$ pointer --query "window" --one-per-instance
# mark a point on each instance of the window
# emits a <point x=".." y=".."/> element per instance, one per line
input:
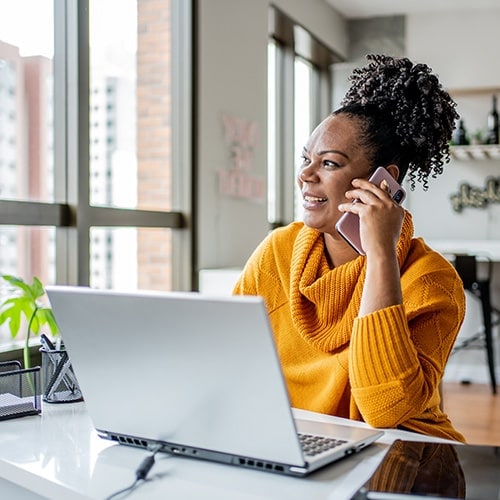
<point x="304" y="73"/>
<point x="299" y="95"/>
<point x="89" y="141"/>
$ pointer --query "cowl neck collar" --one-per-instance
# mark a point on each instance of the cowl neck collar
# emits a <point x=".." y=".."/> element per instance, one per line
<point x="324" y="302"/>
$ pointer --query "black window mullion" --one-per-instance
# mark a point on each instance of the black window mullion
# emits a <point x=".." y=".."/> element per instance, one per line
<point x="122" y="217"/>
<point x="27" y="213"/>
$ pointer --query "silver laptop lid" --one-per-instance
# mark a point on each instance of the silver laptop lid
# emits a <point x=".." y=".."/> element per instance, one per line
<point x="179" y="367"/>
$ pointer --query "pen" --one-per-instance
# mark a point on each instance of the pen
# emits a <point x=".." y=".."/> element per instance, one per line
<point x="56" y="359"/>
<point x="59" y="373"/>
<point x="47" y="342"/>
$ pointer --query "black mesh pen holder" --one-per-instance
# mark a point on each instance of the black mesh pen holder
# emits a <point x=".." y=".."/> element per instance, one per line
<point x="59" y="381"/>
<point x="20" y="390"/>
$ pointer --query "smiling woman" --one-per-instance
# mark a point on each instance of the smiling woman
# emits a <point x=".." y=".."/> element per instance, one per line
<point x="366" y="337"/>
<point x="323" y="178"/>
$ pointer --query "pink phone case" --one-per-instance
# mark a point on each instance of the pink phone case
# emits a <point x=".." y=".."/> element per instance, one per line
<point x="348" y="225"/>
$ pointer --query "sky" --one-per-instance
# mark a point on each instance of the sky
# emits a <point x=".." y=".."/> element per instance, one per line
<point x="29" y="25"/>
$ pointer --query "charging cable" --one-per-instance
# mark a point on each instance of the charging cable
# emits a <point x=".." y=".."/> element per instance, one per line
<point x="141" y="473"/>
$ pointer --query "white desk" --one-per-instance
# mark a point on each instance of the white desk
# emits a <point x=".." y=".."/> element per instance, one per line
<point x="58" y="455"/>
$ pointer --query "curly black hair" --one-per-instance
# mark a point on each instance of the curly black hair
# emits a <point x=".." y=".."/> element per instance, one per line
<point x="407" y="117"/>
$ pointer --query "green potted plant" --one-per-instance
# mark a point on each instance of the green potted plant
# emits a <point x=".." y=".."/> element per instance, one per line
<point x="25" y="303"/>
<point x="477" y="137"/>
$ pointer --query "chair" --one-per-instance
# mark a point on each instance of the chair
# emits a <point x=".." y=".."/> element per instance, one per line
<point x="466" y="266"/>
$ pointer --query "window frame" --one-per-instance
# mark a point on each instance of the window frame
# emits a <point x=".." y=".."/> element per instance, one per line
<point x="293" y="41"/>
<point x="71" y="214"/>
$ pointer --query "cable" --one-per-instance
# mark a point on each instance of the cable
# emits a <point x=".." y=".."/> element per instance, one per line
<point x="124" y="490"/>
<point x="141" y="473"/>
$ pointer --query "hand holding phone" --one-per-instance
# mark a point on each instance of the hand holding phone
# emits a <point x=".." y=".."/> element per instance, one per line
<point x="348" y="225"/>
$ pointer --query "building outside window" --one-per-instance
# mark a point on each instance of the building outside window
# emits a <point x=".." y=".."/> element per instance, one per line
<point x="88" y="140"/>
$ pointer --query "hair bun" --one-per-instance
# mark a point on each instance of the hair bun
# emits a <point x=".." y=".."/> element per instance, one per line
<point x="421" y="111"/>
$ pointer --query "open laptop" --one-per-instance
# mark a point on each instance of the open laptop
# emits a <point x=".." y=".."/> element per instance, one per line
<point x="195" y="374"/>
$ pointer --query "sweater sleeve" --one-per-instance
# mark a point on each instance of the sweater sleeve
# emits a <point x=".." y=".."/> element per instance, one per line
<point x="398" y="354"/>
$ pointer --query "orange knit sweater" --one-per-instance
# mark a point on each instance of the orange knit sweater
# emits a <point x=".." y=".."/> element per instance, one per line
<point x="383" y="368"/>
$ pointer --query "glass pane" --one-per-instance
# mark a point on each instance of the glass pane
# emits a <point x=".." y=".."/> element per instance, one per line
<point x="26" y="100"/>
<point x="25" y="252"/>
<point x="302" y="120"/>
<point x="131" y="258"/>
<point x="130" y="104"/>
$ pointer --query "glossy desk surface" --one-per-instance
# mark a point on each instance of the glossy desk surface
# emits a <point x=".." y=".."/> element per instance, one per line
<point x="59" y="455"/>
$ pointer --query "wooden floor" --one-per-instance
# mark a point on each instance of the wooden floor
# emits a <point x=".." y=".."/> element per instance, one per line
<point x="474" y="411"/>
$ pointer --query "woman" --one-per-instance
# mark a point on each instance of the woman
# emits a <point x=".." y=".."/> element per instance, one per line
<point x="366" y="337"/>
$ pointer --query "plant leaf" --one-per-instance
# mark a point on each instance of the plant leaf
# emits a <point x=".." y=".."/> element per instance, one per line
<point x="46" y="317"/>
<point x="11" y="314"/>
<point x="26" y="306"/>
<point x="17" y="283"/>
<point x="13" y="308"/>
<point x="37" y="289"/>
<point x="25" y="303"/>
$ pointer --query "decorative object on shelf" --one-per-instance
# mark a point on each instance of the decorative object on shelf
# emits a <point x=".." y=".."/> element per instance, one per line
<point x="493" y="123"/>
<point x="25" y="302"/>
<point x="489" y="135"/>
<point x="460" y="137"/>
<point x="476" y="137"/>
<point x="473" y="197"/>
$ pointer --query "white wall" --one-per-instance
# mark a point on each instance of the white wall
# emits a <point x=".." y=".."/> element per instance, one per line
<point x="320" y="19"/>
<point x="231" y="78"/>
<point x="462" y="48"/>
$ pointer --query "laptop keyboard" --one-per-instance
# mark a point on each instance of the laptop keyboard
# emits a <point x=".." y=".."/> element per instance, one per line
<point x="313" y="445"/>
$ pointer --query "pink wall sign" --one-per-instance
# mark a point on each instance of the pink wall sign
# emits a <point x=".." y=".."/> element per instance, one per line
<point x="237" y="181"/>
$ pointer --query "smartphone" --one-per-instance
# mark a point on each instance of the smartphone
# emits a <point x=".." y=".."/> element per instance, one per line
<point x="348" y="225"/>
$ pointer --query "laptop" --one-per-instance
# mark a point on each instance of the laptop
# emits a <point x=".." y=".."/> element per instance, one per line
<point x="194" y="375"/>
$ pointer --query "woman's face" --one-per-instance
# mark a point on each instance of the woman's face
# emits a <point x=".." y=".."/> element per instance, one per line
<point x="332" y="158"/>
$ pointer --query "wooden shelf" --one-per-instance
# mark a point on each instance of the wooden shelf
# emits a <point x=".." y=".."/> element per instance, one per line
<point x="473" y="91"/>
<point x="476" y="152"/>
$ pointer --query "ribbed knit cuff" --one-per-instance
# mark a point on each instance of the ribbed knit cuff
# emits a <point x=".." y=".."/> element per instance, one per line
<point x="381" y="350"/>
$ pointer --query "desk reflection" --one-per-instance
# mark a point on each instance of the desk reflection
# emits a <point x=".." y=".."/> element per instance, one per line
<point x="416" y="468"/>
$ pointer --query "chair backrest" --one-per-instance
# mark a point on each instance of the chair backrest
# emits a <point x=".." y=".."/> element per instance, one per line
<point x="466" y="268"/>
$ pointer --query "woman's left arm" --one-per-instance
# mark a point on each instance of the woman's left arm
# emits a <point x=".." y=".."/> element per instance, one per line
<point x="398" y="353"/>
